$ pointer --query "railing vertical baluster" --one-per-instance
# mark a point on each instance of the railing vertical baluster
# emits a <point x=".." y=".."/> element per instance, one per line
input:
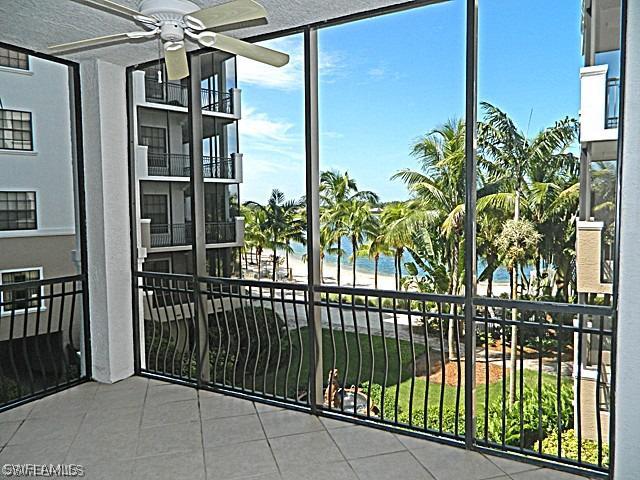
<point x="258" y="350"/>
<point x="599" y="389"/>
<point x="559" y="388"/>
<point x="372" y="368"/>
<point x="359" y="350"/>
<point x="246" y="326"/>
<point x="272" y="294"/>
<point x="443" y="365"/>
<point x="399" y="353"/>
<point x="286" y="326"/>
<point x="540" y="334"/>
<point x="486" y="373"/>
<point x="456" y="326"/>
<point x="25" y="324"/>
<point x="329" y="400"/>
<point x="268" y="335"/>
<point x="300" y="342"/>
<point x="425" y="326"/>
<point x="413" y="366"/>
<point x="343" y="330"/>
<point x="214" y="307"/>
<point x="578" y="365"/>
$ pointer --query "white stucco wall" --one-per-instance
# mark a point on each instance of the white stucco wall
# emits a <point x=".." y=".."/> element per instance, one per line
<point x="48" y="170"/>
<point x="627" y="419"/>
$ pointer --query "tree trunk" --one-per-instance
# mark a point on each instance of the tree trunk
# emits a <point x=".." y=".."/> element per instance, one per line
<point x="339" y="257"/>
<point x="399" y="255"/>
<point x="259" y="254"/>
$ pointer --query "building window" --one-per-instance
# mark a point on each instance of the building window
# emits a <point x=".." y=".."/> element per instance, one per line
<point x="21" y="299"/>
<point x="155" y="139"/>
<point x="18" y="211"/>
<point x="12" y="59"/>
<point x="154" y="207"/>
<point x="157" y="266"/>
<point x="15" y="130"/>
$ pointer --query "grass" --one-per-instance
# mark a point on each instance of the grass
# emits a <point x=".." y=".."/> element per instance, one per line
<point x="399" y="370"/>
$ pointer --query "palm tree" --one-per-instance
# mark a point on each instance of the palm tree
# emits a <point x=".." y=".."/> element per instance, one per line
<point x="358" y="221"/>
<point x="254" y="236"/>
<point x="397" y="226"/>
<point x="513" y="160"/>
<point x="336" y="189"/>
<point x="276" y="219"/>
<point x="374" y="247"/>
<point x="438" y="190"/>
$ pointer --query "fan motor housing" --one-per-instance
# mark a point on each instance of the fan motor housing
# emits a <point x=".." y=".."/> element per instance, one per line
<point x="171" y="31"/>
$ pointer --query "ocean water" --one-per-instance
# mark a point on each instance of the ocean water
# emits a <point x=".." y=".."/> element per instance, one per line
<point x="386" y="263"/>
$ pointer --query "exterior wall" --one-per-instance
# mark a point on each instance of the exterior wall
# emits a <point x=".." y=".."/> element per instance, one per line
<point x="593" y="102"/>
<point x="48" y="169"/>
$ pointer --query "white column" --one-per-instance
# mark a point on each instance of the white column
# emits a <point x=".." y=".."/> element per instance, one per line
<point x="104" y="113"/>
<point x="627" y="420"/>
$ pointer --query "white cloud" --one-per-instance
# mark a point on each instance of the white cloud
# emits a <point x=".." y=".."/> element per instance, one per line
<point x="259" y="127"/>
<point x="289" y="77"/>
<point x="377" y="72"/>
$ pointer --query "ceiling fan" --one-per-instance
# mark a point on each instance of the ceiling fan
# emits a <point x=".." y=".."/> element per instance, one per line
<point x="175" y="21"/>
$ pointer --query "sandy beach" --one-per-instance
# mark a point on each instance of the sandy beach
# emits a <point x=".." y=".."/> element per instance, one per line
<point x="364" y="279"/>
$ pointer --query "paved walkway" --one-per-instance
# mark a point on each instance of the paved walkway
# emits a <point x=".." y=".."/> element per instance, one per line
<point x="139" y="429"/>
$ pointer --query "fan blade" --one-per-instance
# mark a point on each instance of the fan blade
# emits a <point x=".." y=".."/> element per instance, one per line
<point x="90" y="42"/>
<point x="112" y="7"/>
<point x="229" y="13"/>
<point x="245" y="49"/>
<point x="175" y="56"/>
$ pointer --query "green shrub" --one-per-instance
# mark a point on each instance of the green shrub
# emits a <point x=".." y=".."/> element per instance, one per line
<point x="533" y="417"/>
<point x="386" y="407"/>
<point x="569" y="447"/>
<point x="433" y="419"/>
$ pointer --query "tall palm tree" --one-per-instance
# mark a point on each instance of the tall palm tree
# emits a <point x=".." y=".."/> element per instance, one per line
<point x="397" y="226"/>
<point x="514" y="160"/>
<point x="438" y="190"/>
<point x="359" y="223"/>
<point x="374" y="247"/>
<point x="336" y="189"/>
<point x="255" y="238"/>
<point x="276" y="219"/>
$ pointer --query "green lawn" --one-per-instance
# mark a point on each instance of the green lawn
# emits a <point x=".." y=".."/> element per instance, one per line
<point x="399" y="370"/>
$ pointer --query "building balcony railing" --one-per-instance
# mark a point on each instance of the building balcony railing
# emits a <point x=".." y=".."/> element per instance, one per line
<point x="178" y="165"/>
<point x="392" y="359"/>
<point x="215" y="101"/>
<point x="178" y="95"/>
<point x="613" y="103"/>
<point x="175" y="235"/>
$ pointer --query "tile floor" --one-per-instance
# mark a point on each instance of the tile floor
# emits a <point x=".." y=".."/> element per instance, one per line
<point x="140" y="429"/>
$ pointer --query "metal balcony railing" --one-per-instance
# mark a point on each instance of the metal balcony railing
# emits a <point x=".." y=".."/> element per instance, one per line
<point x="178" y="95"/>
<point x="175" y="235"/>
<point x="41" y="324"/>
<point x="216" y="101"/>
<point x="395" y="359"/>
<point x="613" y="103"/>
<point x="178" y="165"/>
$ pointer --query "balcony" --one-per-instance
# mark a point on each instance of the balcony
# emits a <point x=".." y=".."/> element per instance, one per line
<point x="177" y="95"/>
<point x="599" y="104"/>
<point x="178" y="235"/>
<point x="144" y="428"/>
<point x="178" y="165"/>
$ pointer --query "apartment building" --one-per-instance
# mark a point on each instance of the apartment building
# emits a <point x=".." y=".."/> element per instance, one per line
<point x="162" y="167"/>
<point x="38" y="210"/>
<point x="596" y="225"/>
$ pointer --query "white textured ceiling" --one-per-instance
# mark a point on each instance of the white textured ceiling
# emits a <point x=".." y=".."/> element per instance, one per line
<point x="35" y="24"/>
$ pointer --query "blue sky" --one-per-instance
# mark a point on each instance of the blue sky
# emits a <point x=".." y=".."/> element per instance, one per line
<point x="387" y="80"/>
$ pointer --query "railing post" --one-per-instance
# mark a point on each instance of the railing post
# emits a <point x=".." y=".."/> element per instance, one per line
<point x="197" y="219"/>
<point x="470" y="223"/>
<point x="313" y="214"/>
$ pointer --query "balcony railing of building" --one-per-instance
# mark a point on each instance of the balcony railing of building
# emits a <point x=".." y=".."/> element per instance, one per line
<point x="42" y="323"/>
<point x="215" y="101"/>
<point x="178" y="95"/>
<point x="175" y="235"/>
<point x="613" y="103"/>
<point x="178" y="165"/>
<point x="390" y="359"/>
